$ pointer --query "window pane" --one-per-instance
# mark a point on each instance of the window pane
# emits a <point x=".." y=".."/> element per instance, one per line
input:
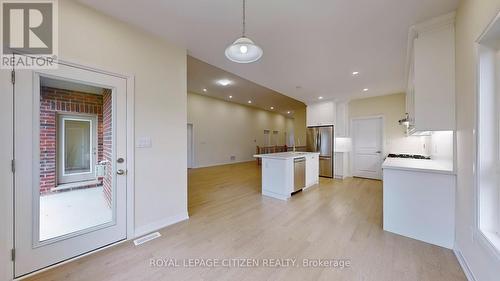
<point x="77" y="146"/>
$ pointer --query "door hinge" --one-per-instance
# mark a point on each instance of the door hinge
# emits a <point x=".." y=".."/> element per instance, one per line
<point x="13" y="77"/>
<point x="13" y="165"/>
<point x="13" y="254"/>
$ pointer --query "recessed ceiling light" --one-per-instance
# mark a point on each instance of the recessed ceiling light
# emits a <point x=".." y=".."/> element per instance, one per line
<point x="320" y="98"/>
<point x="365" y="90"/>
<point x="288" y="112"/>
<point x="230" y="97"/>
<point x="354" y="73"/>
<point x="249" y="101"/>
<point x="272" y="107"/>
<point x="224" y="82"/>
<point x="204" y="90"/>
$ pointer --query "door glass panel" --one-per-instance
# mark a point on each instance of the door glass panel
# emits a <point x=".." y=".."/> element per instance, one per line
<point x="77" y="148"/>
<point x="76" y="151"/>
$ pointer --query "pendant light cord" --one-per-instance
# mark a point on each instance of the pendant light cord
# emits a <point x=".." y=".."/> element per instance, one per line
<point x="244" y="18"/>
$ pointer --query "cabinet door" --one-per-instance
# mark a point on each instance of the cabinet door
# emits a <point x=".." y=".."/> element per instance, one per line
<point x="312" y="170"/>
<point x="339" y="165"/>
<point x="341" y="124"/>
<point x="320" y="114"/>
<point x="434" y="64"/>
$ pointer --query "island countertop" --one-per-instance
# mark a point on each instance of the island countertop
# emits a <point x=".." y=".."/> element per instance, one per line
<point x="285" y="155"/>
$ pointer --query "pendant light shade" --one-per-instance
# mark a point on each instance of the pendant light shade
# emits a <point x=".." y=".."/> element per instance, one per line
<point x="243" y="50"/>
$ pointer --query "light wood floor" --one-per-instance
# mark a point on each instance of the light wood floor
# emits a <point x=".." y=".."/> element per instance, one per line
<point x="230" y="219"/>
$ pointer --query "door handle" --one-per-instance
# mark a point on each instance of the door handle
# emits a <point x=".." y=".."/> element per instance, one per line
<point x="120" y="172"/>
<point x="378" y="151"/>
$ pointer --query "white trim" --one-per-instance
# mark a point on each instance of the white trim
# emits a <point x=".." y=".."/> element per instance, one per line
<point x="464" y="265"/>
<point x="157" y="225"/>
<point x="490" y="242"/>
<point x="191" y="162"/>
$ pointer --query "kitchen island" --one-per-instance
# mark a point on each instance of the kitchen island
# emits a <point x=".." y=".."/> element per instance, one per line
<point x="288" y="172"/>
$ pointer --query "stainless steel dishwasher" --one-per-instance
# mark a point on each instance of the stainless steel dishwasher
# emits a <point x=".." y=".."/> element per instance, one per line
<point x="299" y="173"/>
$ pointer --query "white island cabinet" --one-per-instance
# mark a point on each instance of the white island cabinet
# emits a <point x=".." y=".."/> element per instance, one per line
<point x="287" y="172"/>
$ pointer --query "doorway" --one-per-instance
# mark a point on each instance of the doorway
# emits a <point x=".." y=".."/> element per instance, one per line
<point x="367" y="147"/>
<point x="71" y="158"/>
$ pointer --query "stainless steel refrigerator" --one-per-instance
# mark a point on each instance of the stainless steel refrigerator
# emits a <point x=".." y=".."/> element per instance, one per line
<point x="320" y="139"/>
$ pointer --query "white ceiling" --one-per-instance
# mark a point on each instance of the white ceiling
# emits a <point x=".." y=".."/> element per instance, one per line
<point x="201" y="75"/>
<point x="311" y="47"/>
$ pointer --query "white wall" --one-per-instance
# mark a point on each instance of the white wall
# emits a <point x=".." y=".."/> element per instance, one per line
<point x="223" y="129"/>
<point x="472" y="19"/>
<point x="91" y="38"/>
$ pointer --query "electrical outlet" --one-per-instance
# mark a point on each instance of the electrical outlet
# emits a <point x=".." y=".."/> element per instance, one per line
<point x="233" y="158"/>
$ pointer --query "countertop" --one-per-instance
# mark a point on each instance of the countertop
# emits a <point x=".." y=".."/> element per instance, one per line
<point x="285" y="155"/>
<point x="419" y="165"/>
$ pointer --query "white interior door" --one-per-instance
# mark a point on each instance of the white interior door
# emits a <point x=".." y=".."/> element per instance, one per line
<point x="367" y="147"/>
<point x="56" y="220"/>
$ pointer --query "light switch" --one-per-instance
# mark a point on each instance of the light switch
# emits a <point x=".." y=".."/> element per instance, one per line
<point x="144" y="142"/>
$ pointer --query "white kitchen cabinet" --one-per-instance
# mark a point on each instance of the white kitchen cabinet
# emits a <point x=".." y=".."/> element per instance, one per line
<point x="342" y="119"/>
<point x="431" y="75"/>
<point x="312" y="169"/>
<point x="320" y="114"/>
<point x="420" y="203"/>
<point x="341" y="165"/>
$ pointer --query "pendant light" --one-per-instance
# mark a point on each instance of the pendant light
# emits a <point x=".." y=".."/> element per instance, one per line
<point x="243" y="50"/>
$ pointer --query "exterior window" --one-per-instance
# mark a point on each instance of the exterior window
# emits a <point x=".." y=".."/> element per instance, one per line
<point x="76" y="148"/>
<point x="488" y="146"/>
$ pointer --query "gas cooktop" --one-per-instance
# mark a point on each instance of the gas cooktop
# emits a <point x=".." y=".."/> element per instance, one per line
<point x="410" y="156"/>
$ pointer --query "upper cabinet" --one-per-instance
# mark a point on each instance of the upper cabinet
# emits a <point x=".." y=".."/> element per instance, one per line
<point x="430" y="100"/>
<point x="342" y="120"/>
<point x="321" y="114"/>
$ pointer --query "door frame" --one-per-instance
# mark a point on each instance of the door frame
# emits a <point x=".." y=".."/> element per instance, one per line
<point x="8" y="201"/>
<point x="382" y="135"/>
<point x="191" y="163"/>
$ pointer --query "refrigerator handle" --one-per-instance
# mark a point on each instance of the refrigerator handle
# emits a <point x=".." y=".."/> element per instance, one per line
<point x="319" y="139"/>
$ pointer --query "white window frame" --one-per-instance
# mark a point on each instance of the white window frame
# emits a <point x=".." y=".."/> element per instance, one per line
<point x="487" y="134"/>
<point x="62" y="177"/>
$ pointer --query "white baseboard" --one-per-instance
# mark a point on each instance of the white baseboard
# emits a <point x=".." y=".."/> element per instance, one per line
<point x="465" y="266"/>
<point x="157" y="225"/>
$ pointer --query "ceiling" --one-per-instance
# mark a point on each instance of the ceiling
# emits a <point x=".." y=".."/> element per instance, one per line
<point x="202" y="78"/>
<point x="310" y="47"/>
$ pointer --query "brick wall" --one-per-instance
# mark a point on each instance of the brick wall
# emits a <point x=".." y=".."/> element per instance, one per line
<point x="52" y="102"/>
<point x="107" y="144"/>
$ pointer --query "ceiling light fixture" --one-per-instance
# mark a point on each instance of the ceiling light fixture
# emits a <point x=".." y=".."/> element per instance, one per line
<point x="288" y="112"/>
<point x="365" y="90"/>
<point x="224" y="82"/>
<point x="230" y="97"/>
<point x="243" y="49"/>
<point x="320" y="98"/>
<point x="272" y="107"/>
<point x="354" y="73"/>
<point x="249" y="101"/>
<point x="204" y="90"/>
